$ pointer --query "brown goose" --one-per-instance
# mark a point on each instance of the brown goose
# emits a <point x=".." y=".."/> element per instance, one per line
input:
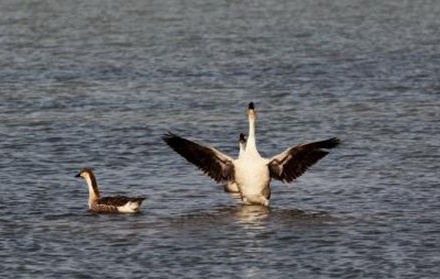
<point x="97" y="204"/>
<point x="250" y="172"/>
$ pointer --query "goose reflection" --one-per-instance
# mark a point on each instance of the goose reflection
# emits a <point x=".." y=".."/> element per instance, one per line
<point x="252" y="213"/>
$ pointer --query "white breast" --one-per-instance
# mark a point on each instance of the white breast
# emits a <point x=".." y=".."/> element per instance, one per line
<point x="252" y="175"/>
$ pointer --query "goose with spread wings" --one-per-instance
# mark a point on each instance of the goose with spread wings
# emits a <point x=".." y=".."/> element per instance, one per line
<point x="250" y="172"/>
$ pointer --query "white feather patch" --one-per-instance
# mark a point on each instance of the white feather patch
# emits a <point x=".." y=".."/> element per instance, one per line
<point x="129" y="207"/>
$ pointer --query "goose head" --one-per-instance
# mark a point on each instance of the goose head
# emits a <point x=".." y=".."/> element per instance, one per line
<point x="242" y="139"/>
<point x="251" y="111"/>
<point x="242" y="143"/>
<point x="90" y="178"/>
<point x="85" y="173"/>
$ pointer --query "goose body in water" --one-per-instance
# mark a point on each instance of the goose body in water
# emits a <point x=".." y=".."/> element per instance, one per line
<point x="97" y="204"/>
<point x="250" y="172"/>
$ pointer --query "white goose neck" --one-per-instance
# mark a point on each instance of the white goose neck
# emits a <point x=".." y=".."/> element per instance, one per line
<point x="242" y="149"/>
<point x="251" y="146"/>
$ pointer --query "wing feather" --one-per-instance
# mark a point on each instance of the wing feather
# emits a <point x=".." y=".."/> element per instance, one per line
<point x="118" y="200"/>
<point x="212" y="162"/>
<point x="294" y="161"/>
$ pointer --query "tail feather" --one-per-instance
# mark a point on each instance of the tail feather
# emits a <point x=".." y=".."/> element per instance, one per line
<point x="138" y="200"/>
<point x="133" y="205"/>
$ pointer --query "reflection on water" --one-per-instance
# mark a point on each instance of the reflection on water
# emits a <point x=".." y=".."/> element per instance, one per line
<point x="251" y="214"/>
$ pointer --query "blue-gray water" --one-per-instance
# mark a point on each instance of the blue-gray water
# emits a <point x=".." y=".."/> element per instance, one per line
<point x="96" y="83"/>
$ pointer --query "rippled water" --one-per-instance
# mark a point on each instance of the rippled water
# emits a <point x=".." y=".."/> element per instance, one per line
<point x="96" y="83"/>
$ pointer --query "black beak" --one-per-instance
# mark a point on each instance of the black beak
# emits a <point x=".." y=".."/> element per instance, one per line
<point x="251" y="105"/>
<point x="78" y="175"/>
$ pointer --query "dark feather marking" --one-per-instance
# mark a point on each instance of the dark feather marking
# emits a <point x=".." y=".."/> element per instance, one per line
<point x="201" y="156"/>
<point x="119" y="200"/>
<point x="299" y="158"/>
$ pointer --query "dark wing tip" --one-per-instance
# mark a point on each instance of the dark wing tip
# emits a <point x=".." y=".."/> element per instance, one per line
<point x="330" y="143"/>
<point x="168" y="137"/>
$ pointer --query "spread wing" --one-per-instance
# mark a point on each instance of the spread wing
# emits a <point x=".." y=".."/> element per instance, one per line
<point x="118" y="200"/>
<point x="212" y="162"/>
<point x="294" y="161"/>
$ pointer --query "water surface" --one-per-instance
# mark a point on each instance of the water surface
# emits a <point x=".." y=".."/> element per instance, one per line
<point x="97" y="83"/>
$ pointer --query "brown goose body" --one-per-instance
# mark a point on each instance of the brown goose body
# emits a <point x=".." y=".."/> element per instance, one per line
<point x="121" y="204"/>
